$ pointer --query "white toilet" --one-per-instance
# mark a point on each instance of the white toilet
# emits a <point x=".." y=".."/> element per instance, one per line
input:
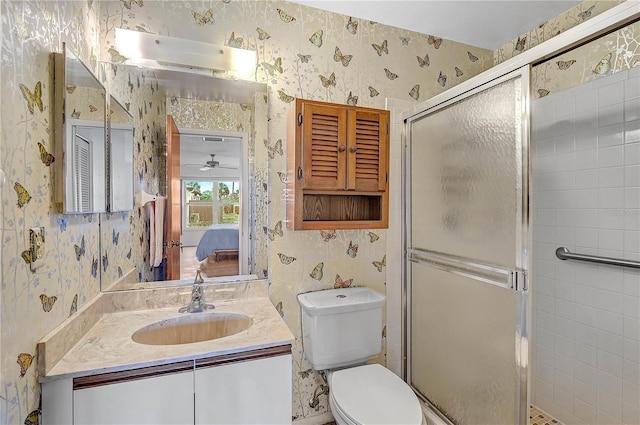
<point x="341" y="330"/>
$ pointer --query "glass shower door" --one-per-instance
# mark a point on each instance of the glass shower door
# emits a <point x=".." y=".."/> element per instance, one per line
<point x="467" y="253"/>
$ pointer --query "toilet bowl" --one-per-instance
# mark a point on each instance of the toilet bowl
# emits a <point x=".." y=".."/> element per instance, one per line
<point x="372" y="394"/>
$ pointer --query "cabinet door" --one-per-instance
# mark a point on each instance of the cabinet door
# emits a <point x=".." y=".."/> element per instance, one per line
<point x="249" y="392"/>
<point x="368" y="150"/>
<point x="324" y="146"/>
<point x="165" y="399"/>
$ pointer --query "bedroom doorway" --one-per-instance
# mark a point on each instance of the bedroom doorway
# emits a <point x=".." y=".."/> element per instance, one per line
<point x="214" y="217"/>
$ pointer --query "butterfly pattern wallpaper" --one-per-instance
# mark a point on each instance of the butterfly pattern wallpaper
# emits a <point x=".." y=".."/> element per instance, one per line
<point x="33" y="303"/>
<point x="567" y="20"/>
<point x="85" y="103"/>
<point x="296" y="46"/>
<point x="612" y="53"/>
<point x="209" y="115"/>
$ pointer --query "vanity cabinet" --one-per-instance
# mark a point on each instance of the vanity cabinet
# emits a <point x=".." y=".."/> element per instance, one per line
<point x="163" y="399"/>
<point x="239" y="388"/>
<point x="255" y="391"/>
<point x="338" y="166"/>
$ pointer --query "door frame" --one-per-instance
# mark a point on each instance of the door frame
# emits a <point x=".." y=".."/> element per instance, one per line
<point x="245" y="214"/>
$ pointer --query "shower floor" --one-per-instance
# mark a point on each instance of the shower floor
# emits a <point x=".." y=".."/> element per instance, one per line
<point x="538" y="417"/>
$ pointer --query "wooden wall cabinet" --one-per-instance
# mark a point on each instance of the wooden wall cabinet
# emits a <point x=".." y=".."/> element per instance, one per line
<point x="338" y="167"/>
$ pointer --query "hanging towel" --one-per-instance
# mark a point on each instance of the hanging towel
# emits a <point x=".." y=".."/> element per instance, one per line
<point x="156" y="230"/>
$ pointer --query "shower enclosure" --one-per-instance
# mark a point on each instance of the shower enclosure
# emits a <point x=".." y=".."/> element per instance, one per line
<point x="500" y="309"/>
<point x="468" y="253"/>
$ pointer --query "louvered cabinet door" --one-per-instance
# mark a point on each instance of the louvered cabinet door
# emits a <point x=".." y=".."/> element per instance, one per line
<point x="367" y="151"/>
<point x="324" y="147"/>
<point x="337" y="162"/>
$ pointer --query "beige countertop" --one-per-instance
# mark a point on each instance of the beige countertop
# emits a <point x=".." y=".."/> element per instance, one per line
<point x="106" y="346"/>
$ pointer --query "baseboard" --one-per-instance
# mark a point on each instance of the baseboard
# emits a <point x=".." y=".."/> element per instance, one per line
<point x="320" y="419"/>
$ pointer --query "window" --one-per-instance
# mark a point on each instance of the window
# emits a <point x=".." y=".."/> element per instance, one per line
<point x="211" y="202"/>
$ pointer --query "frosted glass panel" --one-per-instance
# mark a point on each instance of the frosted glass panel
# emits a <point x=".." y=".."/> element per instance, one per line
<point x="465" y="175"/>
<point x="462" y="346"/>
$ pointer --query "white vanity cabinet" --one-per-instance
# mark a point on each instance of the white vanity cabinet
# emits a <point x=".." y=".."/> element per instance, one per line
<point x="163" y="400"/>
<point x="255" y="391"/>
<point x="239" y="388"/>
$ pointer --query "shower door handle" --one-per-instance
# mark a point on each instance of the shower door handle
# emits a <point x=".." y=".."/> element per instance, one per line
<point x="486" y="273"/>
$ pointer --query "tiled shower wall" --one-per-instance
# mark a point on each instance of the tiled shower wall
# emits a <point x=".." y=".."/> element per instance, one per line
<point x="586" y="197"/>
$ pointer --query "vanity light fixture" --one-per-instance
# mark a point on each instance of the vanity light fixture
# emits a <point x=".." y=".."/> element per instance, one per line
<point x="142" y="48"/>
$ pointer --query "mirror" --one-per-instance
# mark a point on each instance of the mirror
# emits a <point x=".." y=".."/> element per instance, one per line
<point x="221" y="168"/>
<point x="79" y="122"/>
<point x="120" y="157"/>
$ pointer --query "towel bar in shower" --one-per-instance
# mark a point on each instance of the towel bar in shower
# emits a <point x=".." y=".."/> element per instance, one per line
<point x="564" y="254"/>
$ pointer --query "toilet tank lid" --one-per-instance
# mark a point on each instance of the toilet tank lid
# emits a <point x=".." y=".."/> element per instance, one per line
<point x="340" y="300"/>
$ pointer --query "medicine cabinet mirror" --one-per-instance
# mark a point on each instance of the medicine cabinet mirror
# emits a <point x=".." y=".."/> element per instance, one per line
<point x="80" y="133"/>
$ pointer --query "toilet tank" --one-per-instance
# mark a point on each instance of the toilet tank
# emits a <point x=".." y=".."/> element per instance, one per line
<point x="341" y="327"/>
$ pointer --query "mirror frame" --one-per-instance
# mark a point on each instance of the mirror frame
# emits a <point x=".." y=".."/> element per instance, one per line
<point x="64" y="126"/>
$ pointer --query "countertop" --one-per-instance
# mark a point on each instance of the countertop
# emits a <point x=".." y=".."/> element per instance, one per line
<point x="106" y="346"/>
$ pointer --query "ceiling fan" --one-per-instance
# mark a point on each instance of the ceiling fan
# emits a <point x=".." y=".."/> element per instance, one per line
<point x="209" y="165"/>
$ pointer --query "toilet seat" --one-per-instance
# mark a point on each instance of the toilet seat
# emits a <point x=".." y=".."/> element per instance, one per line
<point x="372" y="394"/>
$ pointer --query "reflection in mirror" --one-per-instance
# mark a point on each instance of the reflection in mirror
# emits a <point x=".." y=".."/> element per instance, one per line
<point x="213" y="175"/>
<point x="120" y="157"/>
<point x="79" y="122"/>
<point x="212" y="116"/>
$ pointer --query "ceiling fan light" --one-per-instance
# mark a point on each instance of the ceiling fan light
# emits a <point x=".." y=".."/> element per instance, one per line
<point x="205" y="168"/>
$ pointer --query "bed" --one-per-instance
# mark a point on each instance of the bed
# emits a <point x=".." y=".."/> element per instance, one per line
<point x="217" y="239"/>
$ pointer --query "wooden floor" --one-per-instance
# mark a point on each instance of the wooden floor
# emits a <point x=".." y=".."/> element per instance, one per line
<point x="189" y="264"/>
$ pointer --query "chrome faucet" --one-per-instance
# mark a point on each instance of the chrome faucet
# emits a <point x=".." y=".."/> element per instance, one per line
<point x="197" y="304"/>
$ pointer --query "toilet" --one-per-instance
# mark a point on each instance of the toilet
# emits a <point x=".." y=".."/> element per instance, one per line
<point x="341" y="331"/>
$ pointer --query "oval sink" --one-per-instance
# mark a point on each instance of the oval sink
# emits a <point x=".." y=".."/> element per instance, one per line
<point x="195" y="327"/>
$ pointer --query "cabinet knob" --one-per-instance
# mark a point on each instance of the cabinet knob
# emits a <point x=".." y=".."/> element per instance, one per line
<point x="353" y="149"/>
<point x="342" y="148"/>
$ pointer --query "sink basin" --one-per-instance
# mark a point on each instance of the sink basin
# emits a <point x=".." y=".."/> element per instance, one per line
<point x="195" y="327"/>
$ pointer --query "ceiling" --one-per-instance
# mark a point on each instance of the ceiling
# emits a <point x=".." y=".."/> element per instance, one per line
<point x="487" y="24"/>
<point x="195" y="152"/>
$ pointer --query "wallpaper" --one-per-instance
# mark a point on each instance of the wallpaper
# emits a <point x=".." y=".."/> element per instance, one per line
<point x="611" y="53"/>
<point x="85" y="103"/>
<point x="209" y="115"/>
<point x="547" y="30"/>
<point x="33" y="303"/>
<point x="302" y="52"/>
